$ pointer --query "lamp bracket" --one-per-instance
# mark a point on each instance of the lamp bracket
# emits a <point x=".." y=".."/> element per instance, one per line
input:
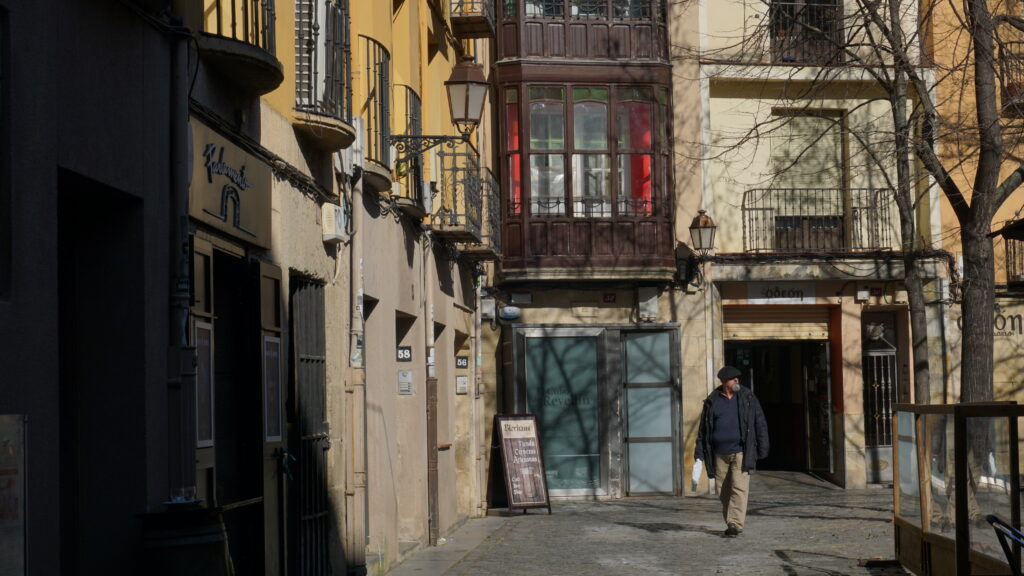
<point x="410" y="146"/>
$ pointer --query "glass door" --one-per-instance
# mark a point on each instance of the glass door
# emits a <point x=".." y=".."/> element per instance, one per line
<point x="650" y="398"/>
<point x="562" y="390"/>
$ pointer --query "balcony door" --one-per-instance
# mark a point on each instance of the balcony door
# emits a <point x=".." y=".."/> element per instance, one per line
<point x="808" y="169"/>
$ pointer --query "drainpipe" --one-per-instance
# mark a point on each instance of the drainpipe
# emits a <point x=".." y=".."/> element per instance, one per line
<point x="478" y="434"/>
<point x="433" y="529"/>
<point x="356" y="495"/>
<point x="181" y="357"/>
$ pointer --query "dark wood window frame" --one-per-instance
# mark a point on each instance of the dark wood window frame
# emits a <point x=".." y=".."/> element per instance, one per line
<point x="605" y="10"/>
<point x="617" y="234"/>
<point x="616" y="150"/>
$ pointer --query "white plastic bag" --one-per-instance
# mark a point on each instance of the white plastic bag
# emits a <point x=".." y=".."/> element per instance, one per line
<point x="698" y="468"/>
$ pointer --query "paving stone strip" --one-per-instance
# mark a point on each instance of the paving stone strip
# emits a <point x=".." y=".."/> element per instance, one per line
<point x="796" y="525"/>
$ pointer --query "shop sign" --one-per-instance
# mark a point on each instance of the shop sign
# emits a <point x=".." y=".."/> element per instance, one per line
<point x="230" y="188"/>
<point x="522" y="461"/>
<point x="1004" y="325"/>
<point x="780" y="293"/>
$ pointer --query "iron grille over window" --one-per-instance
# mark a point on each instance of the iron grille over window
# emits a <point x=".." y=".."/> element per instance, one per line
<point x="806" y="32"/>
<point x="378" y="90"/>
<point x="323" y="66"/>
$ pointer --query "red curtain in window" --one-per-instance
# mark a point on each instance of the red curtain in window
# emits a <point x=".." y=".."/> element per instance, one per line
<point x="640" y="183"/>
<point x="514" y="167"/>
<point x="640" y="138"/>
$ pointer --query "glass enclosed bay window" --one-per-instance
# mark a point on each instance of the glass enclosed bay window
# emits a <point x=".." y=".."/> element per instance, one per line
<point x="613" y="162"/>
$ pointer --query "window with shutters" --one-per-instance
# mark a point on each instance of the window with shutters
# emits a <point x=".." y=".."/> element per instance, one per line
<point x="323" y="69"/>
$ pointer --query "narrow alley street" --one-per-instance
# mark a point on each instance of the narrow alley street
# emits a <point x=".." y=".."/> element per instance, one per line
<point x="796" y="525"/>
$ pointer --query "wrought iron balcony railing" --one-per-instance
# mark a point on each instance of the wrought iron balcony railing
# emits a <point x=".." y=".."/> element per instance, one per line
<point x="237" y="39"/>
<point x="489" y="247"/>
<point x="249" y="21"/>
<point x="323" y="63"/>
<point x="817" y="219"/>
<point x="378" y="110"/>
<point x="806" y="32"/>
<point x="472" y="18"/>
<point x="457" y="211"/>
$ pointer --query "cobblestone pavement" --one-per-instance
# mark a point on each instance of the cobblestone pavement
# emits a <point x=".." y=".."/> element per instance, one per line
<point x="796" y="525"/>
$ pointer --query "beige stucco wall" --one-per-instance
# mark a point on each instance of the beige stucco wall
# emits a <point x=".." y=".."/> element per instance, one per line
<point x="738" y="31"/>
<point x="740" y="162"/>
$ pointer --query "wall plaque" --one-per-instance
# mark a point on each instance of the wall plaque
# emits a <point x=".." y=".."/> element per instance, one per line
<point x="403" y="354"/>
<point x="522" y="461"/>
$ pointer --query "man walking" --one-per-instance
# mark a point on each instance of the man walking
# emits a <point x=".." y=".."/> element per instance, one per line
<point x="732" y="437"/>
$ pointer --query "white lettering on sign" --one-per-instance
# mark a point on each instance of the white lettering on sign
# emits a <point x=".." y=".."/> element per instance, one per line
<point x="780" y="293"/>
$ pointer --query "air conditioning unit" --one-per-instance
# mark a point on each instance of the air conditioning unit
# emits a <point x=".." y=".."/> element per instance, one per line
<point x="334" y="224"/>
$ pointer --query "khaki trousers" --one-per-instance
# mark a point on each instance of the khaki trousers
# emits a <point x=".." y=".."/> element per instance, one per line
<point x="733" y="485"/>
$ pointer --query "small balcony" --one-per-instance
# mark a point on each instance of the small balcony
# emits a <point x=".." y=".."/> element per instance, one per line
<point x="457" y="210"/>
<point x="1011" y="69"/>
<point x="806" y="32"/>
<point x="472" y="18"/>
<point x="818" y="220"/>
<point x="236" y="38"/>
<point x="489" y="247"/>
<point x="323" y="73"/>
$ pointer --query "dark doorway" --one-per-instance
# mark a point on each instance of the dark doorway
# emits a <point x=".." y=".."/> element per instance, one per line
<point x="102" y="377"/>
<point x="791" y="379"/>
<point x="238" y="425"/>
<point x="309" y="506"/>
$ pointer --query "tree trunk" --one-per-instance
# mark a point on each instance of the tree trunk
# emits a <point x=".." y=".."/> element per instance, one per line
<point x="908" y="234"/>
<point x="976" y="314"/>
<point x="918" y="329"/>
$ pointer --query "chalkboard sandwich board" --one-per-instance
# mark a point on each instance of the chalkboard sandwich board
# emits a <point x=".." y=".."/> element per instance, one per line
<point x="522" y="461"/>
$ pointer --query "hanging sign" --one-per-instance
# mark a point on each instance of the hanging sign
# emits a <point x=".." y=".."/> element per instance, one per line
<point x="522" y="461"/>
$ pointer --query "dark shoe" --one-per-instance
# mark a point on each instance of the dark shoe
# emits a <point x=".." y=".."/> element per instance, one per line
<point x="732" y="531"/>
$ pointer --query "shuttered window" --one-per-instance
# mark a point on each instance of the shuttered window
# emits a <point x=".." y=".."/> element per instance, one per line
<point x="775" y="323"/>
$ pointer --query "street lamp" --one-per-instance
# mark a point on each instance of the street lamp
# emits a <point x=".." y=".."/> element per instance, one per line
<point x="467" y="87"/>
<point x="702" y="233"/>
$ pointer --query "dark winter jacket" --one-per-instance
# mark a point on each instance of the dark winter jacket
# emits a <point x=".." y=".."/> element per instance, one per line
<point x="753" y="430"/>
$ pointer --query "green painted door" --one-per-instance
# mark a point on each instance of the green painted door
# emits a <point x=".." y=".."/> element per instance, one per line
<point x="650" y="401"/>
<point x="562" y="390"/>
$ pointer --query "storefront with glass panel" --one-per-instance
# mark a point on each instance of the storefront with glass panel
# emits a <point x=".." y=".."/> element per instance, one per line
<point x="607" y="403"/>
